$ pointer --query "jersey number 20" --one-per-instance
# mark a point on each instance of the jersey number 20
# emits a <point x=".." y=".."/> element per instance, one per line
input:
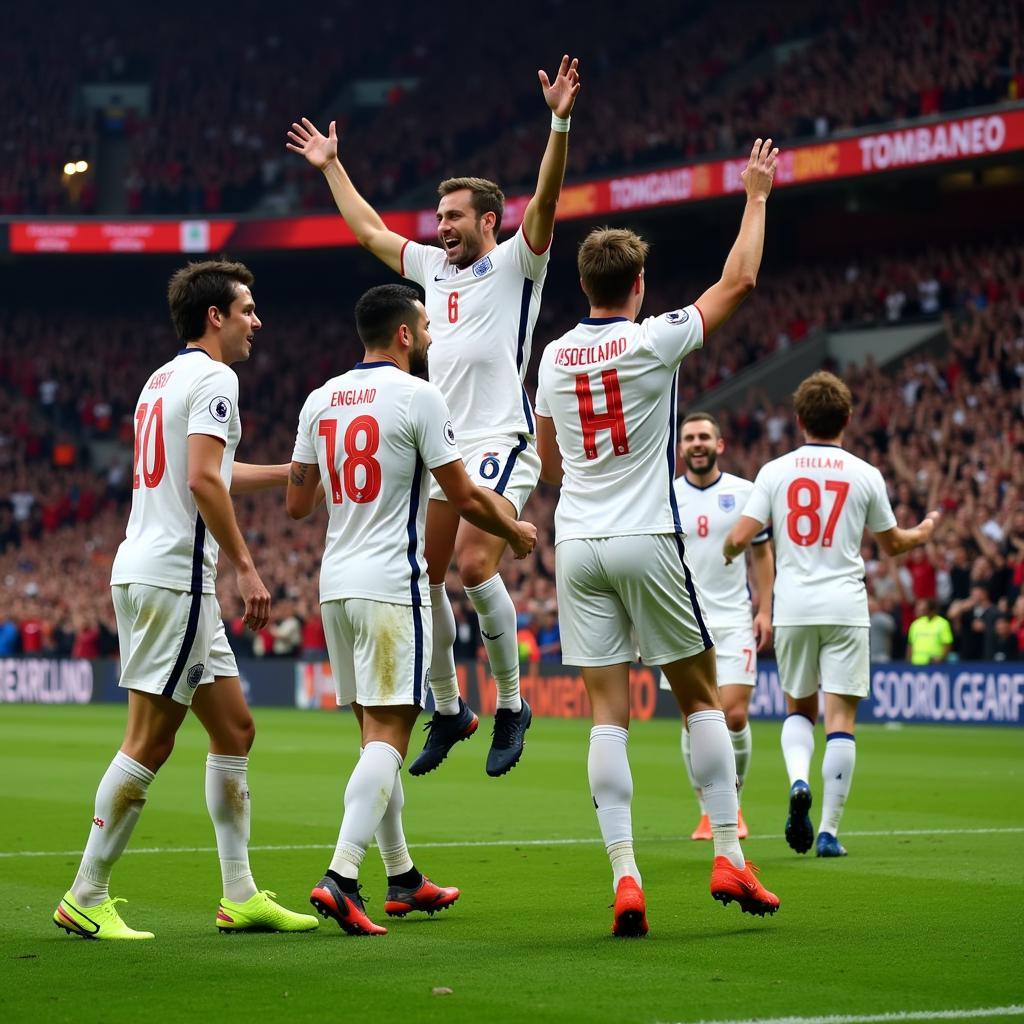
<point x="611" y="419"/>
<point x="362" y="439"/>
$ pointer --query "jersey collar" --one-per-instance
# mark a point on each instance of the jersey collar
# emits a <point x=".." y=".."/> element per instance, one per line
<point x="189" y="351"/>
<point x="374" y="365"/>
<point x="822" y="444"/>
<point x="596" y="321"/>
<point x="706" y="487"/>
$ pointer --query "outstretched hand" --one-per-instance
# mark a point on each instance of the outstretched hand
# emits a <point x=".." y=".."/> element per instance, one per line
<point x="560" y="95"/>
<point x="317" y="149"/>
<point x="760" y="170"/>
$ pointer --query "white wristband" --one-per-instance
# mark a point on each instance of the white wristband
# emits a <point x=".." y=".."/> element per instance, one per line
<point x="560" y="124"/>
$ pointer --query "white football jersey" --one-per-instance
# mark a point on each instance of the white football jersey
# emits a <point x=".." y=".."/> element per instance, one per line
<point x="481" y="327"/>
<point x="375" y="432"/>
<point x="166" y="542"/>
<point x="609" y="385"/>
<point x="819" y="498"/>
<point x="708" y="514"/>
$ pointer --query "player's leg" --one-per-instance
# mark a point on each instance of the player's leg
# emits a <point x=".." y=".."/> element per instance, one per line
<point x="452" y="721"/>
<point x="703" y="829"/>
<point x="736" y="707"/>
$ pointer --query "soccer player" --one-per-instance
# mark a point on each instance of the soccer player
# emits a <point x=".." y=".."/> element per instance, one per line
<point x="174" y="650"/>
<point x="710" y="502"/>
<point x="606" y="411"/>
<point x="371" y="435"/>
<point x="819" y="500"/>
<point x="482" y="298"/>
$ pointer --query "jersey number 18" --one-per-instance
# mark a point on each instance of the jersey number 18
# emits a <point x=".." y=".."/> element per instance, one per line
<point x="362" y="439"/>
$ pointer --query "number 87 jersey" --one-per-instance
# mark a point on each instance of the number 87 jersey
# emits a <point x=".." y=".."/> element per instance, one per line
<point x="609" y="385"/>
<point x="819" y="499"/>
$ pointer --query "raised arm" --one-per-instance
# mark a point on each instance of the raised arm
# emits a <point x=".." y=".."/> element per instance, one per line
<point x="739" y="275"/>
<point x="366" y="224"/>
<point x="560" y="96"/>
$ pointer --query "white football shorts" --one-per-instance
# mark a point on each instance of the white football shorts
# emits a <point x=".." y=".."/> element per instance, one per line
<point x="508" y="465"/>
<point x="621" y="595"/>
<point x="735" y="657"/>
<point x="380" y="652"/>
<point x="171" y="641"/>
<point x="835" y="657"/>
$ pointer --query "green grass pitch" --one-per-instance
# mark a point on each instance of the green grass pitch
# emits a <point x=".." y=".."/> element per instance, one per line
<point x="924" y="915"/>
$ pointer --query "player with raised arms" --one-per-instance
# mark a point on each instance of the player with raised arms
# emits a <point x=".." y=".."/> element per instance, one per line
<point x="174" y="649"/>
<point x="375" y="436"/>
<point x="482" y="298"/>
<point x="710" y="502"/>
<point x="606" y="411"/>
<point x="819" y="499"/>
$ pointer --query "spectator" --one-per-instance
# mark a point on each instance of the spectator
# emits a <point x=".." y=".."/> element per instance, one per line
<point x="930" y="638"/>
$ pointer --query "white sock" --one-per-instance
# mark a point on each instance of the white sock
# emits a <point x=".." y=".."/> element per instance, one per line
<point x="119" y="800"/>
<point x="837" y="775"/>
<point x="742" y="744"/>
<point x="391" y="836"/>
<point x="497" y="616"/>
<point x="366" y="799"/>
<point x="227" y="800"/>
<point x="797" y="746"/>
<point x="714" y="768"/>
<point x="611" y="786"/>
<point x="443" y="682"/>
<point x="689" y="771"/>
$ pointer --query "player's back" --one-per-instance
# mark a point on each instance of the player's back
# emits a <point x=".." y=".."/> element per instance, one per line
<point x="374" y="432"/>
<point x="820" y="498"/>
<point x="166" y="542"/>
<point x="609" y="385"/>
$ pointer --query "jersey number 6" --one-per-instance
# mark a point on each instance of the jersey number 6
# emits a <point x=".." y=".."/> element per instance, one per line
<point x="362" y="439"/>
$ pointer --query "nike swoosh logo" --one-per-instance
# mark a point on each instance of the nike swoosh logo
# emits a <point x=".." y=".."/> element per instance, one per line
<point x="436" y="278"/>
<point x="487" y="636"/>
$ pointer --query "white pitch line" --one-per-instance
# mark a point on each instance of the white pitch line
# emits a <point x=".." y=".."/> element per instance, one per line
<point x="883" y="1018"/>
<point x="470" y="843"/>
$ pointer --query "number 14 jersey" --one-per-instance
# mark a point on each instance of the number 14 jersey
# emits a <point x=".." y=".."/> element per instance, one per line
<point x="609" y="385"/>
<point x="819" y="498"/>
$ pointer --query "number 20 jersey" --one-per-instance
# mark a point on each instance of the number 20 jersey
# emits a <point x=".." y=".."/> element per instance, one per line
<point x="819" y="498"/>
<point x="166" y="542"/>
<point x="609" y="385"/>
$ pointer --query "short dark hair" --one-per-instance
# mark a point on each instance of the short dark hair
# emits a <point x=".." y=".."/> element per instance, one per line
<point x="381" y="310"/>
<point x="485" y="196"/>
<point x="693" y="416"/>
<point x="609" y="260"/>
<point x="824" y="404"/>
<point x="196" y="287"/>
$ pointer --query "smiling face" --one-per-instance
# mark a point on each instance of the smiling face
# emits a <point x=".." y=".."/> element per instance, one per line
<point x="700" y="445"/>
<point x="239" y="327"/>
<point x="462" y="232"/>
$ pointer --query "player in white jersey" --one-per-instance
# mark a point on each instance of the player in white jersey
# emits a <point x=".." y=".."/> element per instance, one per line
<point x="819" y="499"/>
<point x="375" y="436"/>
<point x="174" y="650"/>
<point x="606" y="415"/>
<point x="482" y="298"/>
<point x="710" y="502"/>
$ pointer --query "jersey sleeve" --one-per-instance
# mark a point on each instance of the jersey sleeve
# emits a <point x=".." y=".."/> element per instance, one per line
<point x="759" y="504"/>
<point x="763" y="537"/>
<point x="213" y="402"/>
<point x="541" y="406"/>
<point x="304" y="451"/>
<point x="880" y="516"/>
<point x="673" y="336"/>
<point x="432" y="428"/>
<point x="532" y="262"/>
<point x="421" y="262"/>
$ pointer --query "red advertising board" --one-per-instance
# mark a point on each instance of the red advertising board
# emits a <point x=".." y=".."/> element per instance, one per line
<point x="920" y="145"/>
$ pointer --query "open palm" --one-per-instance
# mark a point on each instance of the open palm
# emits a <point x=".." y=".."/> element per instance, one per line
<point x="306" y="139"/>
<point x="560" y="95"/>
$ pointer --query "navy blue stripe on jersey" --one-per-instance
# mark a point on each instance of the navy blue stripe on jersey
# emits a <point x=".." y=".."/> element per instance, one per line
<point x="191" y="628"/>
<point x="417" y="661"/>
<point x="691" y="593"/>
<point x="373" y="365"/>
<point x="597" y="321"/>
<point x="414" y="576"/>
<point x="676" y="522"/>
<point x="197" y="555"/>
<point x="506" y="473"/>
<point x="524" y="324"/>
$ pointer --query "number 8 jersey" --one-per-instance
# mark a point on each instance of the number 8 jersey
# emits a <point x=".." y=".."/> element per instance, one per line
<point x="819" y="498"/>
<point x="609" y="385"/>
<point x="166" y="542"/>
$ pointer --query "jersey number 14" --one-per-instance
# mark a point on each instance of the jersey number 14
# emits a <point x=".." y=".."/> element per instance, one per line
<point x="611" y="419"/>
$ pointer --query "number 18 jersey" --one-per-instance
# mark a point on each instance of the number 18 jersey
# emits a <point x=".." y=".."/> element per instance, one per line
<point x="819" y="498"/>
<point x="609" y="385"/>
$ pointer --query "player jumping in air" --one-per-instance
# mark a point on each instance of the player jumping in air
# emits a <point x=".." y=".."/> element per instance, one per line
<point x="375" y="437"/>
<point x="819" y="500"/>
<point x="482" y="298"/>
<point x="174" y="650"/>
<point x="606" y="410"/>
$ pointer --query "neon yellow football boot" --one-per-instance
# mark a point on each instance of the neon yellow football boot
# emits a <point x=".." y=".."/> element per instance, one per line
<point x="260" y="913"/>
<point x="99" y="922"/>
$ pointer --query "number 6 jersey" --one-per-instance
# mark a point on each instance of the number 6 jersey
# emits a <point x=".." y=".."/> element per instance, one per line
<point x="375" y="432"/>
<point x="819" y="498"/>
<point x="166" y="542"/>
<point x="609" y="385"/>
